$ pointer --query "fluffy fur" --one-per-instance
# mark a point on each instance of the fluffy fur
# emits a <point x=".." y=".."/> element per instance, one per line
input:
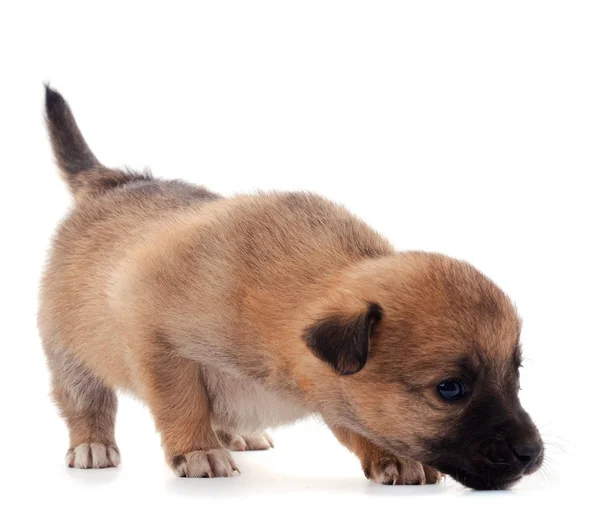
<point x="231" y="315"/>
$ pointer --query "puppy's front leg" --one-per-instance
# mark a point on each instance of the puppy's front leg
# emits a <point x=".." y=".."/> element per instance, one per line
<point x="175" y="392"/>
<point x="381" y="467"/>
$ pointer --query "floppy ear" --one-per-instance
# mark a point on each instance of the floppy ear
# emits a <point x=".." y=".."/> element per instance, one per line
<point x="343" y="341"/>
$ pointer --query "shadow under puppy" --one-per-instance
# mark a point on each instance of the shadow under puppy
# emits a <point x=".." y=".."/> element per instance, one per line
<point x="230" y="315"/>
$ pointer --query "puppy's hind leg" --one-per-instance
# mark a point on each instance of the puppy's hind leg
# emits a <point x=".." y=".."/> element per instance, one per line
<point x="89" y="409"/>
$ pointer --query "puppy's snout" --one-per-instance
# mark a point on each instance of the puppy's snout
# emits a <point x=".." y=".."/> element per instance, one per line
<point x="528" y="453"/>
<point x="521" y="451"/>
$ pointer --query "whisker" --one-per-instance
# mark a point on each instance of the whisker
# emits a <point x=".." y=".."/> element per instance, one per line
<point x="555" y="446"/>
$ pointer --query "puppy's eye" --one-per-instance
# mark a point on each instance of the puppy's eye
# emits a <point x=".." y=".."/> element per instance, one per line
<point x="451" y="390"/>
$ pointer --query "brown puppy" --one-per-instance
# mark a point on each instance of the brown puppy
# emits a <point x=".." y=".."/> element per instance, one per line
<point x="231" y="315"/>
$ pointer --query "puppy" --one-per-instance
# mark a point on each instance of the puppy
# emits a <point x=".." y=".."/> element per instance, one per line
<point x="227" y="316"/>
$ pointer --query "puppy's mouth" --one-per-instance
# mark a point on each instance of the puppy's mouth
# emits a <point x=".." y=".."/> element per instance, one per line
<point x="481" y="481"/>
<point x="479" y="473"/>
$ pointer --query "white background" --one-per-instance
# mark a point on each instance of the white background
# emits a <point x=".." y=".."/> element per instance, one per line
<point x="470" y="128"/>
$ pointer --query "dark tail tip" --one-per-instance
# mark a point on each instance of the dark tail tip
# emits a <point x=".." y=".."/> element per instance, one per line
<point x="70" y="149"/>
<point x="52" y="98"/>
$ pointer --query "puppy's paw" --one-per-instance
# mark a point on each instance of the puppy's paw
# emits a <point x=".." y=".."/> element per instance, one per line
<point x="204" y="464"/>
<point x="236" y="442"/>
<point x="93" y="456"/>
<point x="399" y="471"/>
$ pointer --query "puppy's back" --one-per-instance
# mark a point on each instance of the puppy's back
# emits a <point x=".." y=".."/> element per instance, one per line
<point x="136" y="250"/>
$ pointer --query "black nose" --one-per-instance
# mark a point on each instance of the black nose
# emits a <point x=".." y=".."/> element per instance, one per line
<point x="528" y="453"/>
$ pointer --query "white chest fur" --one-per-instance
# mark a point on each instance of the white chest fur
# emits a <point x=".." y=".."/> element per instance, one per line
<point x="244" y="406"/>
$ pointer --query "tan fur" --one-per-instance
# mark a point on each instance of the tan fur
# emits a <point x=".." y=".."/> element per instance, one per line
<point x="198" y="304"/>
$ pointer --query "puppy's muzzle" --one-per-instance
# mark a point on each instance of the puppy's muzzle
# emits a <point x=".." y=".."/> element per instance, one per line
<point x="520" y="456"/>
<point x="508" y="452"/>
<point x="491" y="454"/>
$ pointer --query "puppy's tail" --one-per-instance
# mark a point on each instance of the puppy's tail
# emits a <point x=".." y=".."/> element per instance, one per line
<point x="82" y="171"/>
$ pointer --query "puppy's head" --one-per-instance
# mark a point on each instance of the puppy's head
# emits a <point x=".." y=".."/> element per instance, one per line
<point x="424" y="356"/>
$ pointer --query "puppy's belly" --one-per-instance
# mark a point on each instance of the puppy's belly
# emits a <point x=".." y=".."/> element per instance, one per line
<point x="245" y="406"/>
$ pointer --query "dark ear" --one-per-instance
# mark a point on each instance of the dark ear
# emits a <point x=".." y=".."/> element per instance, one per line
<point x="343" y="341"/>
